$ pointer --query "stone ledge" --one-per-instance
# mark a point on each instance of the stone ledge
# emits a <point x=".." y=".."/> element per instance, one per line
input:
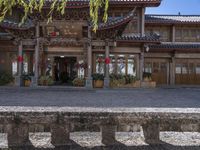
<point x="17" y="122"/>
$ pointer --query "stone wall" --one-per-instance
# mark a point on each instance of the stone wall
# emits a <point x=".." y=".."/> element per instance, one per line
<point x="17" y="122"/>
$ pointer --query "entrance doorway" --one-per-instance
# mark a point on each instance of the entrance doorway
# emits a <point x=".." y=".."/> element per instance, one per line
<point x="64" y="70"/>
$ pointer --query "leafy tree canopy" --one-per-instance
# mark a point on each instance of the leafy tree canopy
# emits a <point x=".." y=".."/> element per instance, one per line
<point x="29" y="6"/>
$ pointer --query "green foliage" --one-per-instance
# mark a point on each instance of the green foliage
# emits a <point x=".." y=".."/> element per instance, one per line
<point x="26" y="77"/>
<point x="130" y="79"/>
<point x="46" y="80"/>
<point x="95" y="5"/>
<point x="78" y="82"/>
<point x="97" y="76"/>
<point x="146" y="75"/>
<point x="118" y="79"/>
<point x="30" y="6"/>
<point x="5" y="78"/>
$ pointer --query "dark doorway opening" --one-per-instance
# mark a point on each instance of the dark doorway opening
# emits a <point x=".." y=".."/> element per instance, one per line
<point x="64" y="71"/>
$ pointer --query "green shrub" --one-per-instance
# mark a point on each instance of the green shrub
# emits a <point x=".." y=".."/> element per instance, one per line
<point x="146" y="75"/>
<point x="78" y="82"/>
<point x="130" y="79"/>
<point x="97" y="76"/>
<point x="5" y="78"/>
<point x="118" y="79"/>
<point x="46" y="80"/>
<point x="26" y="77"/>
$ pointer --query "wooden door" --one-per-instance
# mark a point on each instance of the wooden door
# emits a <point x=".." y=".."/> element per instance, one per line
<point x="159" y="69"/>
<point x="187" y="71"/>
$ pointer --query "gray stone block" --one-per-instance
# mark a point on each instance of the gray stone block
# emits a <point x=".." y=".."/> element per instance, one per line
<point x="108" y="134"/>
<point x="151" y="131"/>
<point x="60" y="134"/>
<point x="18" y="135"/>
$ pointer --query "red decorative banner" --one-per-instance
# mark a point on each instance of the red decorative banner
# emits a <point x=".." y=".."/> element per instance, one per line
<point x="20" y="59"/>
<point x="107" y="60"/>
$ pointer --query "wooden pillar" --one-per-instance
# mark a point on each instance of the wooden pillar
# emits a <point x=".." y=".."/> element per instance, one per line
<point x="173" y="34"/>
<point x="108" y="134"/>
<point x="142" y="21"/>
<point x="151" y="132"/>
<point x="52" y="61"/>
<point x="20" y="64"/>
<point x="89" y="60"/>
<point x="17" y="135"/>
<point x="172" y="71"/>
<point x="141" y="65"/>
<point x="37" y="47"/>
<point x="107" y="53"/>
<point x="137" y="66"/>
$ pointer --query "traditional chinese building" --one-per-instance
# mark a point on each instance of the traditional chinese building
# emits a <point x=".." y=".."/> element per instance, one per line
<point x="130" y="42"/>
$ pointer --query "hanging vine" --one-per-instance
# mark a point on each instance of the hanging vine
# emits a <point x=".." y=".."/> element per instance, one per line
<point x="29" y="6"/>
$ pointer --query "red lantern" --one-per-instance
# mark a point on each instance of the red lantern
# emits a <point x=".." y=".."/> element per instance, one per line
<point x="20" y="59"/>
<point x="107" y="60"/>
<point x="99" y="60"/>
<point x="53" y="34"/>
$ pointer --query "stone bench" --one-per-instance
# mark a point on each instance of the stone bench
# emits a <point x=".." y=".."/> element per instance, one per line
<point x="18" y="122"/>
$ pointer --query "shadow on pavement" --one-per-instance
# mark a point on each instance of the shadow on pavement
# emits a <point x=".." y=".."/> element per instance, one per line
<point x="118" y="146"/>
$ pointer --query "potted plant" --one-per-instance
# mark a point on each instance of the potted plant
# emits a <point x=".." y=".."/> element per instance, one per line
<point x="98" y="80"/>
<point x="147" y="83"/>
<point x="46" y="80"/>
<point x="147" y="76"/>
<point x="116" y="80"/>
<point x="26" y="80"/>
<point x="78" y="82"/>
<point x="5" y="78"/>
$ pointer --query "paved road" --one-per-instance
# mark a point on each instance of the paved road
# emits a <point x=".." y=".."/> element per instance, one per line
<point x="159" y="97"/>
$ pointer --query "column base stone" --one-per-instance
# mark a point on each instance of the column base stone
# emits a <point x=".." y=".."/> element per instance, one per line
<point x="18" y="81"/>
<point x="151" y="132"/>
<point x="60" y="134"/>
<point x="34" y="82"/>
<point x="106" y="83"/>
<point x="89" y="83"/>
<point x="108" y="134"/>
<point x="18" y="135"/>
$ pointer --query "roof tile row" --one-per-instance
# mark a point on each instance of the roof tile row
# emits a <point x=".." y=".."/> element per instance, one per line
<point x="172" y="18"/>
<point x="176" y="46"/>
<point x="138" y="37"/>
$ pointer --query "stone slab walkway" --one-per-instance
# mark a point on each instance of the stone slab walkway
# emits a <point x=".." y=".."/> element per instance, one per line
<point x="81" y="97"/>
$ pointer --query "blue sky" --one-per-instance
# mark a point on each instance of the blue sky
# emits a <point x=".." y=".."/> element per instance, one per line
<point x="185" y="7"/>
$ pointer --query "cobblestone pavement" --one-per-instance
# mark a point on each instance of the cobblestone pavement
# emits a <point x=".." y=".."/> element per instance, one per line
<point x="81" y="97"/>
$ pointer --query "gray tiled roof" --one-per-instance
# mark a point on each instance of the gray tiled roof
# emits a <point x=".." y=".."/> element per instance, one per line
<point x="172" y="18"/>
<point x="139" y="38"/>
<point x="15" y="25"/>
<point x="176" y="46"/>
<point x="147" y="1"/>
<point x="116" y="21"/>
<point x="72" y="3"/>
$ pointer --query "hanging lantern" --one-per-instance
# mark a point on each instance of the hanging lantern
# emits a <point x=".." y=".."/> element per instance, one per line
<point x="100" y="60"/>
<point x="53" y="34"/>
<point x="107" y="60"/>
<point x="20" y="58"/>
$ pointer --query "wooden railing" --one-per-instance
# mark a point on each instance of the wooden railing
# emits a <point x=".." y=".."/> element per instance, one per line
<point x="18" y="122"/>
